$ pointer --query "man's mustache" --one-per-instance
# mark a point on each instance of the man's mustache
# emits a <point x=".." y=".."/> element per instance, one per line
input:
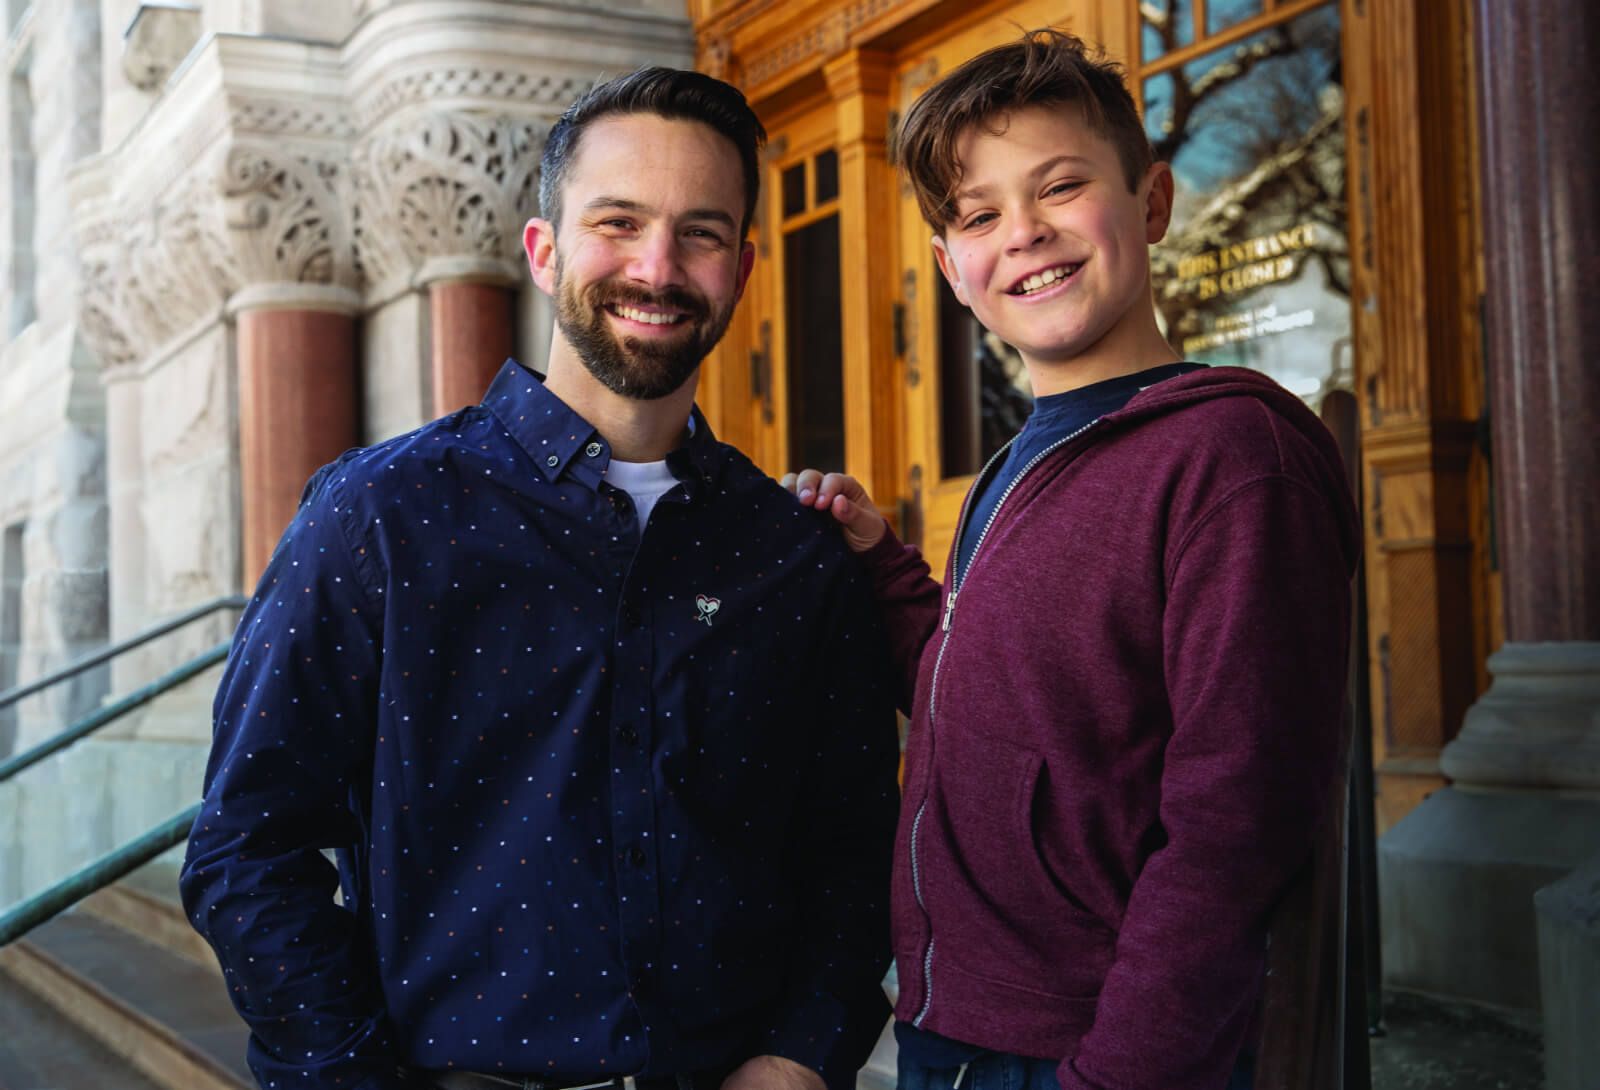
<point x="612" y="293"/>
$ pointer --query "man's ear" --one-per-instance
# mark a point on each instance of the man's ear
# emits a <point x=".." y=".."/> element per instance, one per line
<point x="947" y="265"/>
<point x="539" y="240"/>
<point x="747" y="261"/>
<point x="1157" y="187"/>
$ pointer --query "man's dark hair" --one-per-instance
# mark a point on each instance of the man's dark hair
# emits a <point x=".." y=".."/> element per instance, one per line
<point x="1044" y="68"/>
<point x="665" y="92"/>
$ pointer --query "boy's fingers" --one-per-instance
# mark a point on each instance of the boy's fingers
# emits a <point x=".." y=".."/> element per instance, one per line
<point x="806" y="484"/>
<point x="789" y="481"/>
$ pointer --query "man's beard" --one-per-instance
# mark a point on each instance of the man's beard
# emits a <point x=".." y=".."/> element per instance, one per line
<point x="634" y="366"/>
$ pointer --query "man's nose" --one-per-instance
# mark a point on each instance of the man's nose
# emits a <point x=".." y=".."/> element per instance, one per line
<point x="656" y="260"/>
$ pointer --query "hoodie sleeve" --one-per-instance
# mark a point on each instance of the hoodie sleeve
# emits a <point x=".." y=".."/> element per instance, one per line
<point x="909" y="599"/>
<point x="1256" y="631"/>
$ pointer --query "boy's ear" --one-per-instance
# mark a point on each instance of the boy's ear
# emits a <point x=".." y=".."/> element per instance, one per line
<point x="1157" y="188"/>
<point x="947" y="265"/>
<point x="539" y="240"/>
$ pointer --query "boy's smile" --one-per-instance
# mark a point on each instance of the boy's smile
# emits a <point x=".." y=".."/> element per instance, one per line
<point x="1050" y="249"/>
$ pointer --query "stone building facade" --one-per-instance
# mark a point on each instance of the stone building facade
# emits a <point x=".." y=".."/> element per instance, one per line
<point x="244" y="236"/>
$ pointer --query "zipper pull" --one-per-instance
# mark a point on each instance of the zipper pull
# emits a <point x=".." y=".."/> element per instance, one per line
<point x="949" y="610"/>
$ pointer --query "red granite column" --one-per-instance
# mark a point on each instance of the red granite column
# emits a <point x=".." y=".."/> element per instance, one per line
<point x="297" y="411"/>
<point x="474" y="328"/>
<point x="1540" y="109"/>
<point x="1540" y="93"/>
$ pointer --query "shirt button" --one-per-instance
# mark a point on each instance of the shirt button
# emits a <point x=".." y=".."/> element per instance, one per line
<point x="630" y="617"/>
<point x="593" y="450"/>
<point x="634" y="856"/>
<point x="628" y="735"/>
<point x="552" y="461"/>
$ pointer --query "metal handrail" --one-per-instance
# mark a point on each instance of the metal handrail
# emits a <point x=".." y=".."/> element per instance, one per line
<point x="23" y="918"/>
<point x="106" y="654"/>
<point x="111" y="712"/>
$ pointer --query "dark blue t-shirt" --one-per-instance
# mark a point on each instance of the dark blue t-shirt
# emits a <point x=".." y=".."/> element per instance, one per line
<point x="1054" y="418"/>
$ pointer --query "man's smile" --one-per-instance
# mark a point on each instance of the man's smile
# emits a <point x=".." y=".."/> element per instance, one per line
<point x="646" y="315"/>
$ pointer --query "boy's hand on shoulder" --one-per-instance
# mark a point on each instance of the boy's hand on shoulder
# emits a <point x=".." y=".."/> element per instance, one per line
<point x="772" y="1073"/>
<point x="842" y="496"/>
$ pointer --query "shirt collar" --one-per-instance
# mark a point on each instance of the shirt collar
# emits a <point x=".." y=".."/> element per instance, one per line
<point x="557" y="438"/>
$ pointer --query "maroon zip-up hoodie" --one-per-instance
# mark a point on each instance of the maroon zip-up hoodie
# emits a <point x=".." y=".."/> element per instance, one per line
<point x="1124" y="730"/>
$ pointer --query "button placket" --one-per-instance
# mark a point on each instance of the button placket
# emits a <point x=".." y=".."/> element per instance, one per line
<point x="633" y="806"/>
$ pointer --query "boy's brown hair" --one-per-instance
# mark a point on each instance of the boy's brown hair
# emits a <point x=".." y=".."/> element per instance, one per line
<point x="1045" y="68"/>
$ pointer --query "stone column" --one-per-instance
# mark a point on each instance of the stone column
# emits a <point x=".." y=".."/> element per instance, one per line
<point x="473" y="323"/>
<point x="1539" y="725"/>
<point x="297" y="401"/>
<point x="1524" y="809"/>
<point x="442" y="198"/>
<point x="288" y="228"/>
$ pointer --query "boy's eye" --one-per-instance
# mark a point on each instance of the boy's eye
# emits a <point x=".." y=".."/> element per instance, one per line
<point x="1061" y="187"/>
<point x="978" y="220"/>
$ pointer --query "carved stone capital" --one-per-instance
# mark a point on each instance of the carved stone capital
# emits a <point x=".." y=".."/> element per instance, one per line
<point x="284" y="212"/>
<point x="438" y="192"/>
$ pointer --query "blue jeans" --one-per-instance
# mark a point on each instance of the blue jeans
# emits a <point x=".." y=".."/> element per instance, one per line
<point x="1004" y="1071"/>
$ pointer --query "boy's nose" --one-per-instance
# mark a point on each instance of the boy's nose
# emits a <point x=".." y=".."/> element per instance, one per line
<point x="1026" y="233"/>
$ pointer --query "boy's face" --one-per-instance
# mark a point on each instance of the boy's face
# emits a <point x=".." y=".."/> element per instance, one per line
<point x="1048" y="247"/>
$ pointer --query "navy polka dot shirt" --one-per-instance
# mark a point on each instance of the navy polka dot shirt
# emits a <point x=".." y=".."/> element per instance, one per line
<point x="603" y="802"/>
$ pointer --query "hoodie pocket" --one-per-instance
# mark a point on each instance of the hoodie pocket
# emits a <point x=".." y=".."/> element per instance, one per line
<point x="1008" y="917"/>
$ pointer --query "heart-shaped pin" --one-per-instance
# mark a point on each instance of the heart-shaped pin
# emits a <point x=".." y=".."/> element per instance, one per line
<point x="707" y="606"/>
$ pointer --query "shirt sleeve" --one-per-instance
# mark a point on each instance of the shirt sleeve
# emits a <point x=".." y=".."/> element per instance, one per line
<point x="910" y="602"/>
<point x="841" y="845"/>
<point x="294" y="727"/>
<point x="1256" y="634"/>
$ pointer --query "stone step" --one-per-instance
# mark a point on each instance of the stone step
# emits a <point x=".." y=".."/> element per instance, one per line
<point x="40" y="1050"/>
<point x="167" y="1016"/>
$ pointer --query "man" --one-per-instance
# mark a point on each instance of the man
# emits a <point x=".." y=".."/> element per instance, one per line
<point x="589" y="707"/>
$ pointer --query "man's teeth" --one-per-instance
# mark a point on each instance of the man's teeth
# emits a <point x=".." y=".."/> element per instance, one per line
<point x="1043" y="279"/>
<point x="634" y="314"/>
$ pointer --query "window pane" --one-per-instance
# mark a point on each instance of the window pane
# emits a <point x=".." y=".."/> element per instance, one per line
<point x="1222" y="14"/>
<point x="794" y="190"/>
<point x="1164" y="25"/>
<point x="815" y="344"/>
<point x="1255" y="269"/>
<point x="984" y="396"/>
<point x="827" y="174"/>
<point x="1157" y="107"/>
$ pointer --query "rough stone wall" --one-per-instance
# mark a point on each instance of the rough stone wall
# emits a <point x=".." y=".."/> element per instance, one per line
<point x="52" y="422"/>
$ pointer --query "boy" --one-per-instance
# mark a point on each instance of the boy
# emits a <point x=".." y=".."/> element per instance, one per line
<point x="1126" y="696"/>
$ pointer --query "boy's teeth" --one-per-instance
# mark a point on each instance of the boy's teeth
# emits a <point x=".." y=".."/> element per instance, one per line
<point x="1042" y="279"/>
<point x="646" y="316"/>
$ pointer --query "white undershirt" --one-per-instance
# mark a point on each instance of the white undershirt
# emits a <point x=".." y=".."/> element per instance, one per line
<point x="646" y="482"/>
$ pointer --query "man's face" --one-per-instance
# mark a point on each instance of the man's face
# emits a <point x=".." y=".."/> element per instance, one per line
<point x="647" y="263"/>
<point x="1048" y="247"/>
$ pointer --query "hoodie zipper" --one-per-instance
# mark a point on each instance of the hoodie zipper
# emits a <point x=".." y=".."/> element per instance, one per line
<point x="958" y="577"/>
